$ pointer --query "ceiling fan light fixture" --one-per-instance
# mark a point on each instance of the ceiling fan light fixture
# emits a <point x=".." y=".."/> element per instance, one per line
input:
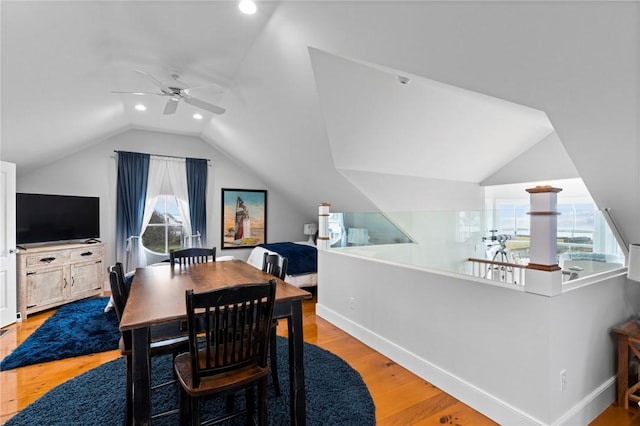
<point x="176" y="91"/>
<point x="248" y="7"/>
<point x="197" y="116"/>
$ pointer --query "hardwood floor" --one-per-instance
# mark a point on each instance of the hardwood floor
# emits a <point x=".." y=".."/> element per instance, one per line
<point x="400" y="397"/>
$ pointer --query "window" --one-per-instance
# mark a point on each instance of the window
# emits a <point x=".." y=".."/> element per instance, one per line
<point x="581" y="227"/>
<point x="512" y="218"/>
<point x="165" y="231"/>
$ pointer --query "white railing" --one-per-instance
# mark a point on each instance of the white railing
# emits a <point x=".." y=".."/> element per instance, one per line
<point x="509" y="273"/>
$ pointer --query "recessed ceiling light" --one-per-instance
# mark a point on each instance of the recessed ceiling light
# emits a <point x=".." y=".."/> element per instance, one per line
<point x="247" y="6"/>
<point x="197" y="116"/>
<point x="140" y="107"/>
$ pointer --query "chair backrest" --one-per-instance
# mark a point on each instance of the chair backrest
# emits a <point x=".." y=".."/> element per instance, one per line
<point x="120" y="294"/>
<point x="229" y="328"/>
<point x="119" y="290"/>
<point x="192" y="255"/>
<point x="119" y="269"/>
<point x="275" y="265"/>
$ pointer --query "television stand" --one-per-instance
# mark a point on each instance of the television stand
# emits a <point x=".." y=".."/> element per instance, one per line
<point x="55" y="274"/>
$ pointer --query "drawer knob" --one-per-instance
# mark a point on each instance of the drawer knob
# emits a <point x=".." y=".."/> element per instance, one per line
<point x="86" y="253"/>
<point x="47" y="259"/>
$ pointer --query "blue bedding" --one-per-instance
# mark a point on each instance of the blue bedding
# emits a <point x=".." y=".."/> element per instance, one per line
<point x="303" y="259"/>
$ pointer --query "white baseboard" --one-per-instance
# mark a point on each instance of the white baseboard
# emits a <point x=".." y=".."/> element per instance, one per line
<point x="590" y="407"/>
<point x="494" y="408"/>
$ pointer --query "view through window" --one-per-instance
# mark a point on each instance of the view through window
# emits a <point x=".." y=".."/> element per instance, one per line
<point x="165" y="231"/>
<point x="581" y="227"/>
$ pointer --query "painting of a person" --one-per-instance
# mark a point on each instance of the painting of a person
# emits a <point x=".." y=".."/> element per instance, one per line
<point x="243" y="222"/>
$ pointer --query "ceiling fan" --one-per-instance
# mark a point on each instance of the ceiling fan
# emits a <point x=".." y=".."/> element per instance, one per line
<point x="176" y="90"/>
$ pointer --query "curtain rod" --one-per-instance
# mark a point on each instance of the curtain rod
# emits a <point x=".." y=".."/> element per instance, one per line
<point x="166" y="156"/>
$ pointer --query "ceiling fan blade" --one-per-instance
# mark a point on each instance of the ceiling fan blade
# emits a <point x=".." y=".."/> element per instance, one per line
<point x="213" y="88"/>
<point x="141" y="93"/>
<point x="204" y="105"/>
<point x="171" y="106"/>
<point x="154" y="80"/>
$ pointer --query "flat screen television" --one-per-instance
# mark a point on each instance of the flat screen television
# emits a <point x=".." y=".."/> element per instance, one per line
<point x="44" y="218"/>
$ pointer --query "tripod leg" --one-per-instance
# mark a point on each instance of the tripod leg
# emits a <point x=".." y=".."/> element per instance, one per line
<point x="504" y="258"/>
<point x="490" y="274"/>
<point x="507" y="269"/>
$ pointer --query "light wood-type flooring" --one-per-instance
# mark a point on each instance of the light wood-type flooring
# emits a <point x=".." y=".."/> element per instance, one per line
<point x="400" y="397"/>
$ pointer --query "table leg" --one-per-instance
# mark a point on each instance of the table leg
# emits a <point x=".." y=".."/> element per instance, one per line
<point x="141" y="377"/>
<point x="296" y="365"/>
<point x="623" y="370"/>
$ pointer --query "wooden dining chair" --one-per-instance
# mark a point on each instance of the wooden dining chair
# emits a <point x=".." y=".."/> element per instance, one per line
<point x="190" y="256"/>
<point x="275" y="265"/>
<point x="118" y="268"/>
<point x="229" y="331"/>
<point x="165" y="339"/>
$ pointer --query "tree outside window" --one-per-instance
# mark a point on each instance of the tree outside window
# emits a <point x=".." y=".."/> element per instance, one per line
<point x="165" y="231"/>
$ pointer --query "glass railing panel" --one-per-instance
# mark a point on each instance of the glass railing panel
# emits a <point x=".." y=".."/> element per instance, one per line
<point x="363" y="229"/>
<point x="446" y="240"/>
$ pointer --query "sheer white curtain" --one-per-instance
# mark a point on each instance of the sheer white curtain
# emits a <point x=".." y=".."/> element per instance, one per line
<point x="177" y="175"/>
<point x="166" y="176"/>
<point x="154" y="186"/>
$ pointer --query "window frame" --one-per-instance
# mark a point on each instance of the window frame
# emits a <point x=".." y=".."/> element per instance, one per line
<point x="167" y="225"/>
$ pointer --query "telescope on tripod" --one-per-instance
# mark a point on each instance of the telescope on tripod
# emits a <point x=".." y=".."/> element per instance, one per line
<point x="501" y="254"/>
<point x="501" y="239"/>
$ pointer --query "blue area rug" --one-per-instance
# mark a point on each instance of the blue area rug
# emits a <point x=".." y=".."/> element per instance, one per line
<point x="335" y="395"/>
<point x="77" y="328"/>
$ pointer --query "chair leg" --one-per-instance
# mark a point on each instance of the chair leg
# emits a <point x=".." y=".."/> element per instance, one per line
<point x="251" y="406"/>
<point x="262" y="402"/>
<point x="184" y="406"/>
<point x="273" y="356"/>
<point x="195" y="411"/>
<point x="128" y="402"/>
<point x="231" y="401"/>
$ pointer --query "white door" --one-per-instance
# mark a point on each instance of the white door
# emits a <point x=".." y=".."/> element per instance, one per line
<point x="8" y="304"/>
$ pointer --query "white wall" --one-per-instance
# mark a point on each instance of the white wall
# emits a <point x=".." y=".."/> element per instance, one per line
<point x="396" y="193"/>
<point x="545" y="160"/>
<point x="93" y="172"/>
<point x="499" y="350"/>
<point x="576" y="61"/>
<point x="572" y="190"/>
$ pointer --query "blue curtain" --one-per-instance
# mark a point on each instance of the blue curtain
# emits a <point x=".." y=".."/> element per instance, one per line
<point x="131" y="193"/>
<point x="197" y="170"/>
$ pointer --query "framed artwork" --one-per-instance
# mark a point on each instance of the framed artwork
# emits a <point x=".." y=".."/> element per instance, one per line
<point x="244" y="218"/>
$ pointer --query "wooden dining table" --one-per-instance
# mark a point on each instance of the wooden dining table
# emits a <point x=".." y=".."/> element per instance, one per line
<point x="157" y="296"/>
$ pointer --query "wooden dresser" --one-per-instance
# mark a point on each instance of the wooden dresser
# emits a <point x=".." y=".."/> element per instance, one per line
<point x="52" y="275"/>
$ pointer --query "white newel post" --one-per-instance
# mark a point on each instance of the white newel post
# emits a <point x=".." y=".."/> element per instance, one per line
<point x="543" y="275"/>
<point x="323" y="226"/>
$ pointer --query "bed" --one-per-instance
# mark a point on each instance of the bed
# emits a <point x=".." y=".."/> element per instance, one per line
<point x="302" y="256"/>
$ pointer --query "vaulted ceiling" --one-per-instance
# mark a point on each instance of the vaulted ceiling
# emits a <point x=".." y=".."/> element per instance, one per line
<point x="62" y="60"/>
<point x="499" y="92"/>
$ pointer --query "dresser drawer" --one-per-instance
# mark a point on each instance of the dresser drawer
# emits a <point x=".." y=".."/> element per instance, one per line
<point x="90" y="253"/>
<point x="51" y="258"/>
